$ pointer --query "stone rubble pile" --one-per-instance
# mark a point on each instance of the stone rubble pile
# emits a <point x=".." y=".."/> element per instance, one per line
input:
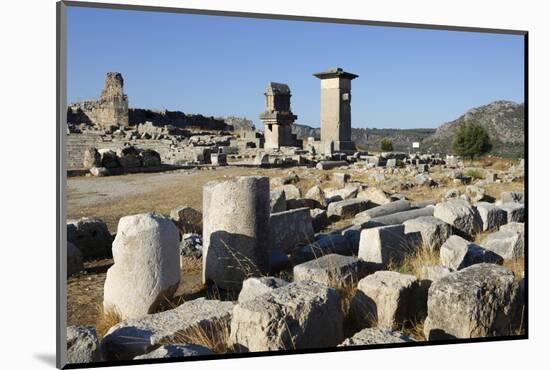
<point x="297" y="285"/>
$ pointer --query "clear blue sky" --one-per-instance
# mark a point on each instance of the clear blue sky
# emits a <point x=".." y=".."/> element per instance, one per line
<point x="220" y="66"/>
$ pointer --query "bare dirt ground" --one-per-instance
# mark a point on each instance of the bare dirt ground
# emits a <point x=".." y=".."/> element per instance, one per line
<point x="110" y="198"/>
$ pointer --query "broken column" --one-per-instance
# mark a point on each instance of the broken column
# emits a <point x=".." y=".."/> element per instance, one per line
<point x="336" y="110"/>
<point x="278" y="117"/>
<point x="235" y="230"/>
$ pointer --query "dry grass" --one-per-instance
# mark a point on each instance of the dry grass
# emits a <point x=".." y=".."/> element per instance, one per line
<point x="190" y="264"/>
<point x="414" y="329"/>
<point x="517" y="266"/>
<point x="214" y="335"/>
<point x="106" y="320"/>
<point x="413" y="262"/>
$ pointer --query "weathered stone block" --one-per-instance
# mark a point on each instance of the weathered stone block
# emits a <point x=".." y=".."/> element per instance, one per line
<point x="340" y="179"/>
<point x="458" y="253"/>
<point x="328" y="165"/>
<point x="146" y="266"/>
<point x="387" y="299"/>
<point x="515" y="212"/>
<point x="434" y="232"/>
<point x="235" y="230"/>
<point x="399" y="217"/>
<point x="491" y="216"/>
<point x="376" y="336"/>
<point x="459" y="214"/>
<point x="508" y="242"/>
<point x="277" y="200"/>
<point x="382" y="210"/>
<point x="303" y="314"/>
<point x="512" y="197"/>
<point x="318" y="195"/>
<point x="333" y="270"/>
<point x="82" y="345"/>
<point x="91" y="236"/>
<point x="347" y="208"/>
<point x="479" y="301"/>
<point x="166" y="327"/>
<point x="382" y="245"/>
<point x="175" y="351"/>
<point x="290" y="228"/>
<point x="92" y="158"/>
<point x="375" y="195"/>
<point x="254" y="287"/>
<point x="187" y="219"/>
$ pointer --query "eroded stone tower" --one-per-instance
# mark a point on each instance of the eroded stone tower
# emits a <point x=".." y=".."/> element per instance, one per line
<point x="336" y="110"/>
<point x="113" y="103"/>
<point x="278" y="117"/>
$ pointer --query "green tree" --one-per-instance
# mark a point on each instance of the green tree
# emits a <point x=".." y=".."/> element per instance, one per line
<point x="470" y="140"/>
<point x="386" y="145"/>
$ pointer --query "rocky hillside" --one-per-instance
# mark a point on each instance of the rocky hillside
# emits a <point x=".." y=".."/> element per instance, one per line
<point x="369" y="138"/>
<point x="503" y="120"/>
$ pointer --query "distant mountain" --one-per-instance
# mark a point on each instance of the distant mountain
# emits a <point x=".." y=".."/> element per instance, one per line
<point x="369" y="138"/>
<point x="503" y="120"/>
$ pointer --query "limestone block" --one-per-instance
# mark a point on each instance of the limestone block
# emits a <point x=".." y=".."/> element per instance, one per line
<point x="382" y="245"/>
<point x="382" y="210"/>
<point x="376" y="336"/>
<point x="433" y="231"/>
<point x="175" y="351"/>
<point x="82" y="345"/>
<point x="387" y="299"/>
<point x="515" y="212"/>
<point x="459" y="214"/>
<point x="300" y="315"/>
<point x="333" y="270"/>
<point x="187" y="219"/>
<point x="92" y="158"/>
<point x="91" y="236"/>
<point x="477" y="302"/>
<point x="399" y="217"/>
<point x="318" y="195"/>
<point x="254" y="287"/>
<point x="508" y="242"/>
<point x="146" y="266"/>
<point x="290" y="228"/>
<point x="347" y="208"/>
<point x="172" y="326"/>
<point x="458" y="253"/>
<point x="492" y="217"/>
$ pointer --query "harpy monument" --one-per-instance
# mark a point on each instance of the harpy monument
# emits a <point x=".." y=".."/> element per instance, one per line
<point x="336" y="110"/>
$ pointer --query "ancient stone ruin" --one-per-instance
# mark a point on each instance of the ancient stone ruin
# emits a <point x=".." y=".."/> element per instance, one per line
<point x="278" y="117"/>
<point x="336" y="110"/>
<point x="110" y="110"/>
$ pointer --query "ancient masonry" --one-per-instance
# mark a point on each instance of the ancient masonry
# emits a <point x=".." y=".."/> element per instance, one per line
<point x="278" y="117"/>
<point x="192" y="139"/>
<point x="336" y="110"/>
<point x="111" y="109"/>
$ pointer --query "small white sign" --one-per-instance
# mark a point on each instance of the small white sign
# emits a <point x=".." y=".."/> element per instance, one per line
<point x="416" y="145"/>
